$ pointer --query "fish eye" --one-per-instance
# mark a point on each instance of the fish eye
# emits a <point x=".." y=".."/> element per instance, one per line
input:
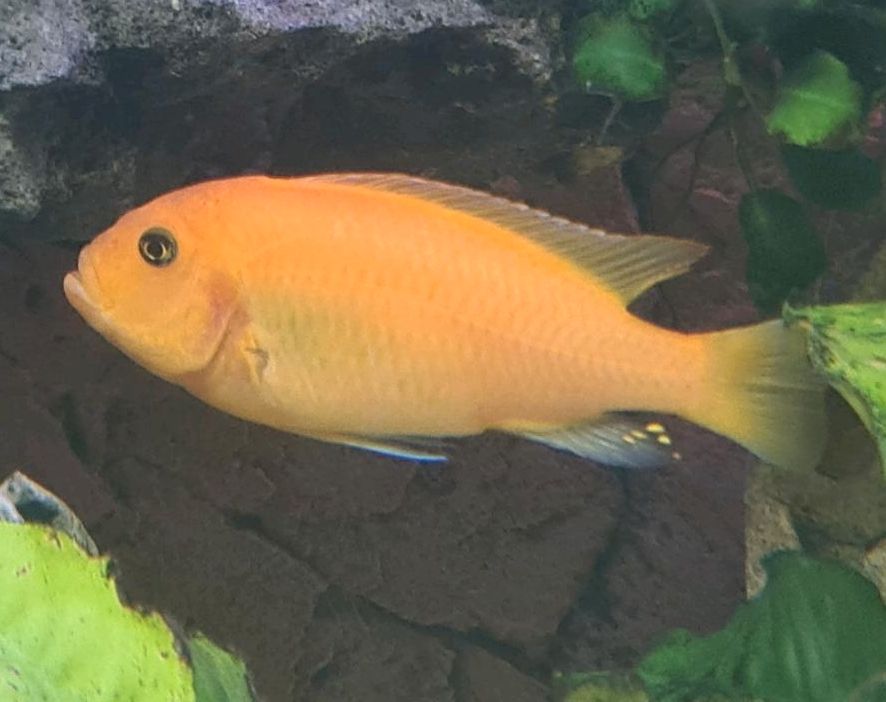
<point x="157" y="246"/>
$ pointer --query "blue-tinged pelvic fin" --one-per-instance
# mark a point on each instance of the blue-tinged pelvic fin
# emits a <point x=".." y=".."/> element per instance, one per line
<point x="614" y="439"/>
<point x="404" y="447"/>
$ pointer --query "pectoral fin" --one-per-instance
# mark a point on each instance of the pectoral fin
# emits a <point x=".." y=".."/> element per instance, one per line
<point x="613" y="439"/>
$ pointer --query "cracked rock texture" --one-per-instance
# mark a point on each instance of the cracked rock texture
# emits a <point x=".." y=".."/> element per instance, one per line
<point x="336" y="574"/>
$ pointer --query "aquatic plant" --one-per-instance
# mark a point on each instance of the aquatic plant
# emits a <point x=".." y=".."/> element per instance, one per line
<point x="847" y="344"/>
<point x="818" y="100"/>
<point x="784" y="252"/>
<point x="620" y="56"/>
<point x="816" y="633"/>
<point x="64" y="633"/>
<point x="808" y="70"/>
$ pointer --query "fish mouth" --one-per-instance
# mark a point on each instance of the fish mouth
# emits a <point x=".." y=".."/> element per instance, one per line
<point x="80" y="288"/>
<point x="73" y="285"/>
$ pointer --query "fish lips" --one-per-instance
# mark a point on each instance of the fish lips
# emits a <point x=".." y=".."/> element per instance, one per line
<point x="81" y="289"/>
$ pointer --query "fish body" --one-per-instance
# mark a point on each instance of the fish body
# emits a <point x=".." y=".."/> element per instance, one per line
<point x="383" y="310"/>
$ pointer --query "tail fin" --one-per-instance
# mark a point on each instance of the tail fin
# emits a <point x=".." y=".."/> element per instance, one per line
<point x="764" y="394"/>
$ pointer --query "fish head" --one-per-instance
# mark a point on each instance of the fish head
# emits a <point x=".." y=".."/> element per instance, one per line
<point x="155" y="286"/>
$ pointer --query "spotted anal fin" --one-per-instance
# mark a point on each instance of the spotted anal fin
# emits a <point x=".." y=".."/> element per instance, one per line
<point x="613" y="439"/>
<point x="408" y="448"/>
<point x="625" y="264"/>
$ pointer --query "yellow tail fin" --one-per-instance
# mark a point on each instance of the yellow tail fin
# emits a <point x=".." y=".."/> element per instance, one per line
<point x="764" y="394"/>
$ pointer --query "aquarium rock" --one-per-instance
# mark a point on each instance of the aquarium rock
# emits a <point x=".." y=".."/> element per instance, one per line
<point x="73" y="72"/>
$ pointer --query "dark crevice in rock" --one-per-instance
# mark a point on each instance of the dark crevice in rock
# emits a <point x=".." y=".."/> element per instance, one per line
<point x="254" y="524"/>
<point x="352" y="640"/>
<point x="451" y="638"/>
<point x="64" y="409"/>
<point x="594" y="596"/>
<point x="457" y="641"/>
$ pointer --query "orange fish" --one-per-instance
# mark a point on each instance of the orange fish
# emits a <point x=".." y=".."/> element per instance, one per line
<point x="387" y="312"/>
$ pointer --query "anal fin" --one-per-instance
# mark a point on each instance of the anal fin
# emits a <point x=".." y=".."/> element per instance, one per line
<point x="614" y="439"/>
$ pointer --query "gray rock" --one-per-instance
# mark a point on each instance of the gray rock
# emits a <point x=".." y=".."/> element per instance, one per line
<point x="41" y="41"/>
<point x="20" y="183"/>
<point x="106" y="103"/>
<point x="842" y="518"/>
<point x="47" y="40"/>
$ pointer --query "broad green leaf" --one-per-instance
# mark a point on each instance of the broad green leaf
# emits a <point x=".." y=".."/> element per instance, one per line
<point x="64" y="635"/>
<point x="818" y="101"/>
<point x="619" y="56"/>
<point x="839" y="180"/>
<point x="817" y="633"/>
<point x="73" y="639"/>
<point x="218" y="676"/>
<point x="847" y="344"/>
<point x="784" y="251"/>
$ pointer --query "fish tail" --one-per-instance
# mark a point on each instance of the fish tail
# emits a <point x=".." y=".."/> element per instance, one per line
<point x="763" y="394"/>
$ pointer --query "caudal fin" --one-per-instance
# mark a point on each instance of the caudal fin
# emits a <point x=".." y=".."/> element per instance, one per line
<point x="763" y="393"/>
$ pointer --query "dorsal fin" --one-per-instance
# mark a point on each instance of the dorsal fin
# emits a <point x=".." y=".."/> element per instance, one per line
<point x="627" y="265"/>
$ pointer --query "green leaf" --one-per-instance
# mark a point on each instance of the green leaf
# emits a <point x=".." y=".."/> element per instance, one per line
<point x="838" y="180"/>
<point x="618" y="56"/>
<point x="818" y="101"/>
<point x="64" y="632"/>
<point x="218" y="676"/>
<point x="847" y="344"/>
<point x="817" y="633"/>
<point x="65" y="635"/>
<point x="784" y="251"/>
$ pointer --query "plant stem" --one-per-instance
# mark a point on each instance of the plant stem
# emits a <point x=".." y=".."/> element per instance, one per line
<point x="734" y="81"/>
<point x="731" y="70"/>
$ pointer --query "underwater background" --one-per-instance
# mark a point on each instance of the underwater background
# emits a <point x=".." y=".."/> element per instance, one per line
<point x="339" y="575"/>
